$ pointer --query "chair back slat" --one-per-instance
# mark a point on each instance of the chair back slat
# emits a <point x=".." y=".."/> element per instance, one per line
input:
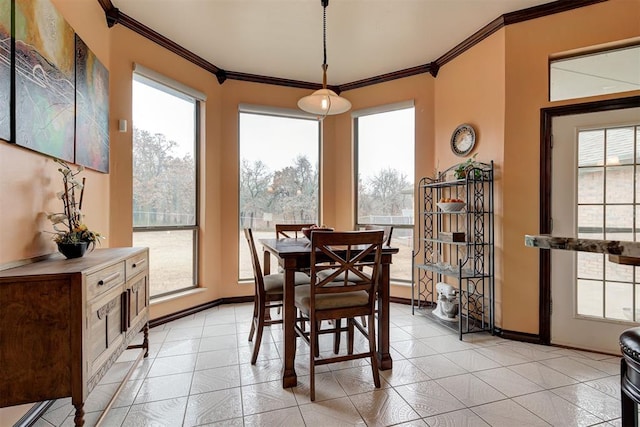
<point x="255" y="262"/>
<point x="290" y="231"/>
<point x="347" y="253"/>
<point x="388" y="231"/>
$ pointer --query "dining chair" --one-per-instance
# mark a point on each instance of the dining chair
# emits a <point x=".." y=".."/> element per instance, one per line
<point x="289" y="230"/>
<point x="350" y="254"/>
<point x="268" y="294"/>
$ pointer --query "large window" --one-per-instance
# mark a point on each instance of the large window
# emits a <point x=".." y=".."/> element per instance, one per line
<point x="279" y="175"/>
<point x="385" y="147"/>
<point x="165" y="202"/>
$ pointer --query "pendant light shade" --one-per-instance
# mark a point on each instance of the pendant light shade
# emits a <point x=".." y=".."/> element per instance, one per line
<point x="324" y="102"/>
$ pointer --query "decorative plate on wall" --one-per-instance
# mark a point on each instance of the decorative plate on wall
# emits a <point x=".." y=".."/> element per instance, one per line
<point x="463" y="139"/>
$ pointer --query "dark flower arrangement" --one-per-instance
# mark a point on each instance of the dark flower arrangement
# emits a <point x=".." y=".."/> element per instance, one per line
<point x="68" y="225"/>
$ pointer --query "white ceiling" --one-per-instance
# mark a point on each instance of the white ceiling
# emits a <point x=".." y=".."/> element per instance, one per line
<point x="283" y="38"/>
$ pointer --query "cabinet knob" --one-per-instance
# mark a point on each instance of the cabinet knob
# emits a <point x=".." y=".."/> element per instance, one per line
<point x="138" y="263"/>
<point x="108" y="279"/>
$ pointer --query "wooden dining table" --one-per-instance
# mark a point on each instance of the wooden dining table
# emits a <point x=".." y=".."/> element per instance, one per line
<point x="294" y="255"/>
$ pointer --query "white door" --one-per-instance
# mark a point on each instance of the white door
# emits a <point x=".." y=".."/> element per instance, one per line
<point x="595" y="194"/>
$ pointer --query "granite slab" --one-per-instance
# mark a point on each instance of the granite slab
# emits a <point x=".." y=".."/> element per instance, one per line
<point x="619" y="251"/>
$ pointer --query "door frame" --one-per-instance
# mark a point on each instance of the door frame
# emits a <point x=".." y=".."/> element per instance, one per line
<point x="546" y="119"/>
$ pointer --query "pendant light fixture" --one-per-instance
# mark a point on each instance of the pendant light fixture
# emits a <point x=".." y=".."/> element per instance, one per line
<point x="324" y="102"/>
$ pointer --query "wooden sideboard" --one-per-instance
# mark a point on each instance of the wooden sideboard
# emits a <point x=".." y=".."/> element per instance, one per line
<point x="63" y="323"/>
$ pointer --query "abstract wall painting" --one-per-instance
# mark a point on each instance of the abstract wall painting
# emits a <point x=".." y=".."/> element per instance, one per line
<point x="44" y="78"/>
<point x="92" y="110"/>
<point x="5" y="70"/>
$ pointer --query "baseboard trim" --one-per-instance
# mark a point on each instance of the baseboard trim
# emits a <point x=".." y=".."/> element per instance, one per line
<point x="34" y="414"/>
<point x="198" y="308"/>
<point x="519" y="336"/>
<point x="398" y="300"/>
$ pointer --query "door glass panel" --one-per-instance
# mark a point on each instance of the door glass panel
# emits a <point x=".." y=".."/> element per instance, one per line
<point x="590" y="222"/>
<point x="590" y="298"/>
<point x="590" y="265"/>
<point x="620" y="146"/>
<point x="620" y="184"/>
<point x="590" y="144"/>
<point x="590" y="185"/>
<point x="618" y="297"/>
<point x="618" y="272"/>
<point x="619" y="222"/>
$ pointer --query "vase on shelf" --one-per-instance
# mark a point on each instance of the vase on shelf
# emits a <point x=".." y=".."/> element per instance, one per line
<point x="73" y="250"/>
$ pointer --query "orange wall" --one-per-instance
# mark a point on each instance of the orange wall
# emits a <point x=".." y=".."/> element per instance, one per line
<point x="470" y="89"/>
<point x="528" y="46"/>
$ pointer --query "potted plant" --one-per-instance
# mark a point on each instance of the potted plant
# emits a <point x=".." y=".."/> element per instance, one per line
<point x="71" y="235"/>
<point x="460" y="172"/>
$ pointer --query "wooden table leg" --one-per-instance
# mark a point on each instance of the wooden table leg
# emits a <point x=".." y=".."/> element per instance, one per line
<point x="384" y="357"/>
<point x="289" y="378"/>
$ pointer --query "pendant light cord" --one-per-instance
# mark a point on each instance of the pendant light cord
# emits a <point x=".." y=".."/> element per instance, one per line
<point x="324" y="33"/>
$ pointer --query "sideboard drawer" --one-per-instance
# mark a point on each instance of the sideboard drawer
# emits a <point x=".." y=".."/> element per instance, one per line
<point x="105" y="279"/>
<point x="137" y="264"/>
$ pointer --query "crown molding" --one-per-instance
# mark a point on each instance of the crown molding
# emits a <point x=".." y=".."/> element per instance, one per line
<point x="114" y="16"/>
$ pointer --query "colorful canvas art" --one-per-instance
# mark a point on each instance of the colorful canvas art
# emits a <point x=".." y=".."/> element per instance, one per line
<point x="5" y="70"/>
<point x="92" y="110"/>
<point x="44" y="79"/>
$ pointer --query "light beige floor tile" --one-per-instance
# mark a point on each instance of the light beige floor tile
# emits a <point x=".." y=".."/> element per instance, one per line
<point x="263" y="397"/>
<point x="179" y="334"/>
<point x="429" y="398"/>
<point x="542" y="375"/>
<point x="288" y="417"/>
<point x="327" y="387"/>
<point x="599" y="404"/>
<point x="173" y="365"/>
<point x="555" y="410"/>
<point x="503" y="355"/>
<point x="423" y="331"/>
<point x="220" y="319"/>
<point x="223" y="342"/>
<point x="610" y="368"/>
<point x="403" y="372"/>
<point x="263" y="371"/>
<point x="331" y="413"/>
<point x="213" y="407"/>
<point x="114" y="418"/>
<point x="207" y="380"/>
<point x="59" y="411"/>
<point x="574" y="369"/>
<point x="219" y="330"/>
<point x="217" y="359"/>
<point x="234" y="422"/>
<point x="437" y="366"/>
<point x="162" y="388"/>
<point x="188" y="322"/>
<point x="268" y="351"/>
<point x="447" y="344"/>
<point x="471" y="360"/>
<point x="608" y="385"/>
<point x="397" y="334"/>
<point x="461" y="418"/>
<point x="470" y="390"/>
<point x="413" y="348"/>
<point x="176" y="348"/>
<point x="383" y="408"/>
<point x="357" y="380"/>
<point x="507" y="382"/>
<point x="507" y="413"/>
<point x="168" y="412"/>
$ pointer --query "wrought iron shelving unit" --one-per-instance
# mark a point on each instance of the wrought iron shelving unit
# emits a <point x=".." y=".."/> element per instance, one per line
<point x="467" y="265"/>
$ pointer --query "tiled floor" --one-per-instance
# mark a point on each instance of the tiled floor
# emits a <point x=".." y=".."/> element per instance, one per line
<point x="198" y="373"/>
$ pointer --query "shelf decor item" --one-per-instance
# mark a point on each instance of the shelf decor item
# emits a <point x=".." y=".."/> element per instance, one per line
<point x="451" y="206"/>
<point x="72" y="236"/>
<point x="463" y="140"/>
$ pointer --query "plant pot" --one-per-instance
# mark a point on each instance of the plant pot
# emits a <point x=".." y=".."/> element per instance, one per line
<point x="73" y="250"/>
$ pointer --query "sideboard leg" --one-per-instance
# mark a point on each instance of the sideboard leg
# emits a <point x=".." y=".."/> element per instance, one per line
<point x="79" y="418"/>
<point x="145" y="341"/>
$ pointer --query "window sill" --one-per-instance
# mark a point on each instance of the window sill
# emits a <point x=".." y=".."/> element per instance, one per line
<point x="175" y="296"/>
